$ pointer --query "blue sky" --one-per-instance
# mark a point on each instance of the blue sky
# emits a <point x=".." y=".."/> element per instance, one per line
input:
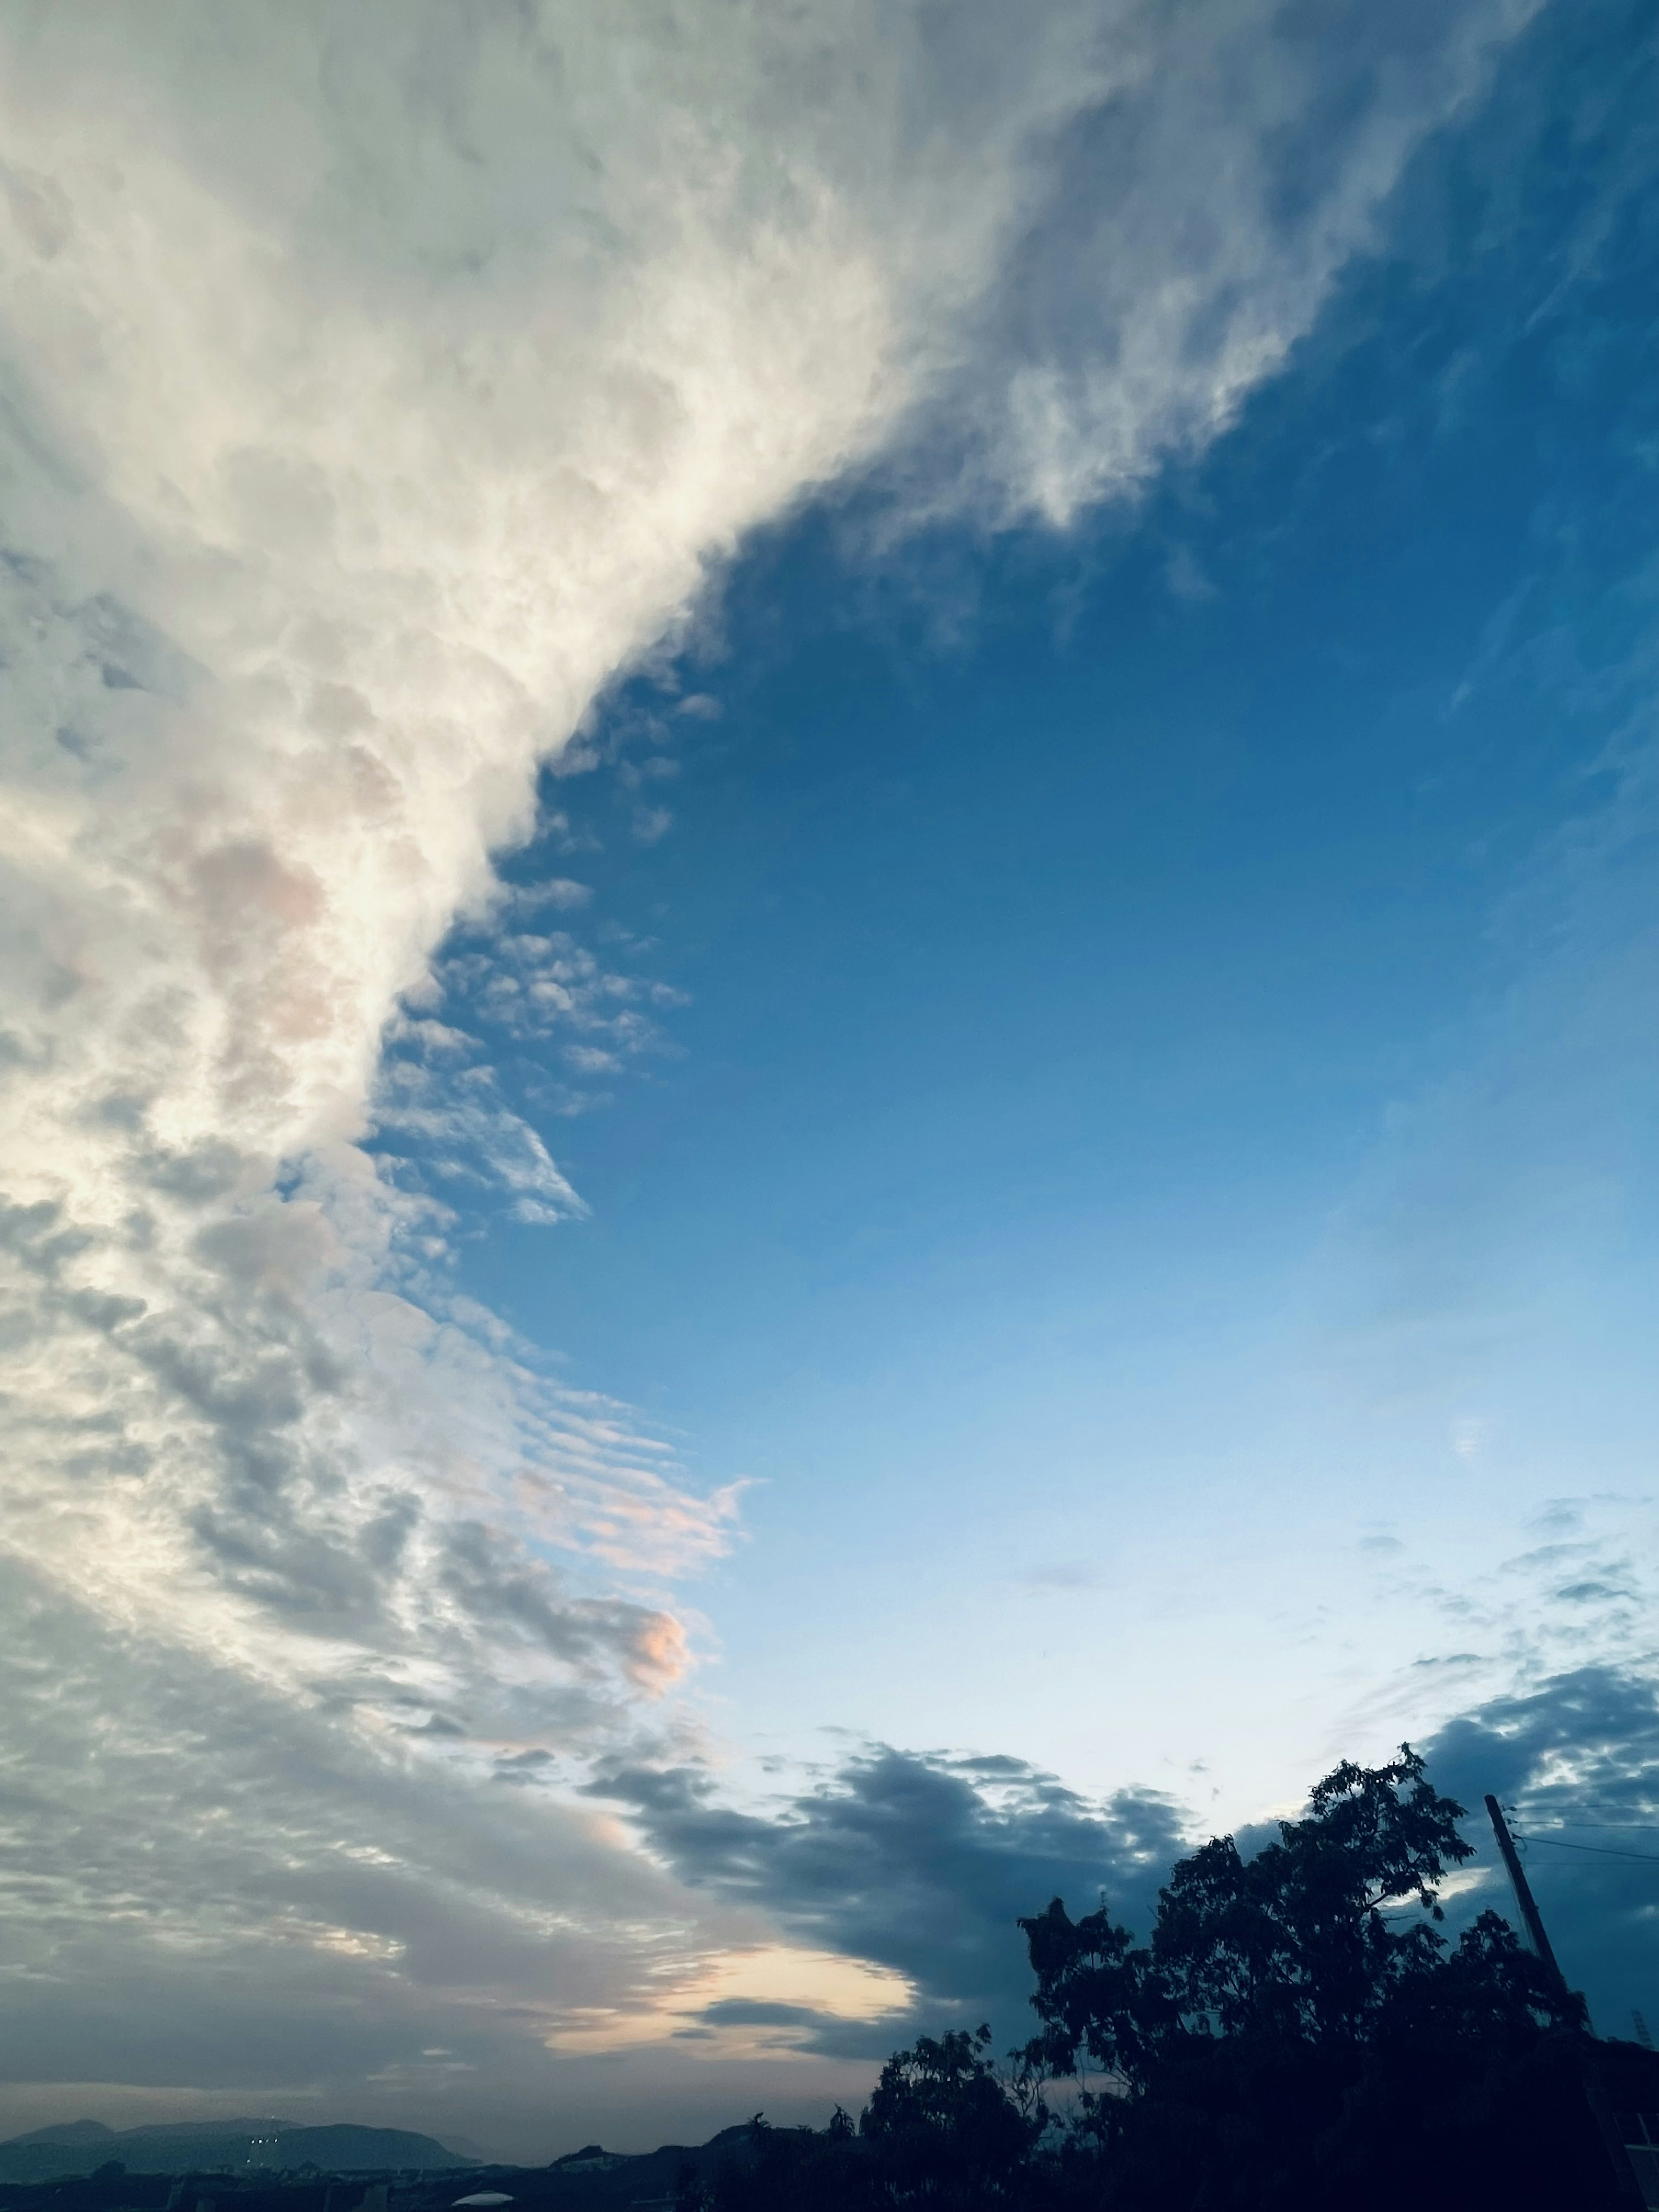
<point x="1117" y="1156"/>
<point x="831" y="1021"/>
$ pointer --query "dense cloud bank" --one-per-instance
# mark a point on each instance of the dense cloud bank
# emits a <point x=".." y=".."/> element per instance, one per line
<point x="924" y="1864"/>
<point x="378" y="381"/>
<point x="927" y="1863"/>
<point x="1577" y="1758"/>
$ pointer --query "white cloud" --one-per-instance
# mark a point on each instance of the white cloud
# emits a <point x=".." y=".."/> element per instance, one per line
<point x="378" y="381"/>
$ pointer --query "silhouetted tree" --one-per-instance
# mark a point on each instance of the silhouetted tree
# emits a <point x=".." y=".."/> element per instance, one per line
<point x="1290" y="2034"/>
<point x="1290" y="1947"/>
<point x="942" y="2129"/>
<point x="798" y="2167"/>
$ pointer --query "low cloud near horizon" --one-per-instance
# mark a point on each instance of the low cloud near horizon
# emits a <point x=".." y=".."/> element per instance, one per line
<point x="304" y="1932"/>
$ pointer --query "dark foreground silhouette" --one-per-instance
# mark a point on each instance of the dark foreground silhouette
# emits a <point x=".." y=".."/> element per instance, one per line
<point x="1295" y="2032"/>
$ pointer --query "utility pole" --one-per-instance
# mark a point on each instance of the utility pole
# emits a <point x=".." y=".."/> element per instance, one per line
<point x="1595" y="2094"/>
<point x="1523" y="1897"/>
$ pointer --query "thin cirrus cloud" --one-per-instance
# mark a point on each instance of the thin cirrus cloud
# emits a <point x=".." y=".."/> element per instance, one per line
<point x="380" y="380"/>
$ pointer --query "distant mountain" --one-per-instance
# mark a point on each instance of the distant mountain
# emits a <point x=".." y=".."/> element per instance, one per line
<point x="63" y="2164"/>
<point x="66" y="2131"/>
<point x="239" y="2146"/>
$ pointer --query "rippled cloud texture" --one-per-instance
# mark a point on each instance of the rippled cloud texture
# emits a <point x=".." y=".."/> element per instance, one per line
<point x="378" y="381"/>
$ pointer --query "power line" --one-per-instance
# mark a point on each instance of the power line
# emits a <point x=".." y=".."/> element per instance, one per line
<point x="1601" y="1850"/>
<point x="1635" y="1827"/>
<point x="1624" y="2182"/>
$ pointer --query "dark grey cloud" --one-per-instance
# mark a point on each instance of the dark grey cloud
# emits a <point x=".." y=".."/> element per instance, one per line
<point x="923" y="1863"/>
<point x="1578" y="1758"/>
<point x="513" y="1595"/>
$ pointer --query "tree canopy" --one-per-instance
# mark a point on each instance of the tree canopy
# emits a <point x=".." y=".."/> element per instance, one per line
<point x="1295" y="1948"/>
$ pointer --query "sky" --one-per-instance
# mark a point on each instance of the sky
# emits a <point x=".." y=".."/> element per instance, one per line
<point x="828" y="1016"/>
